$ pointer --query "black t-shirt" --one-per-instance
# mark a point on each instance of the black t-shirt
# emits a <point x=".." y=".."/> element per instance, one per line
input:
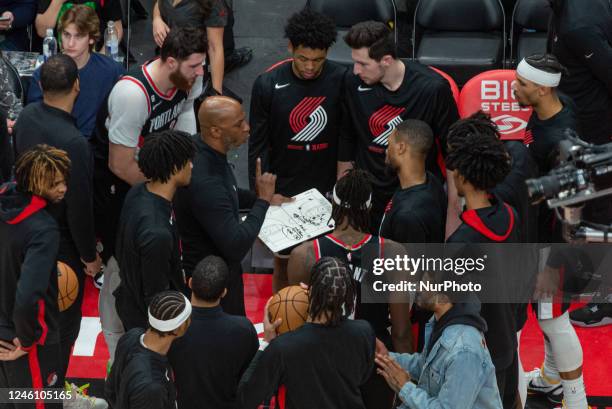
<point x="416" y="214"/>
<point x="548" y="133"/>
<point x="374" y="112"/>
<point x="139" y="378"/>
<point x="147" y="253"/>
<point x="295" y="125"/>
<point x="498" y="223"/>
<point x="314" y="367"/>
<point x="581" y="38"/>
<point x="220" y="347"/>
<point x="107" y="10"/>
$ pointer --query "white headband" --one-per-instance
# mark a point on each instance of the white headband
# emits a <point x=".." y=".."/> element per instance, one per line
<point x="174" y="323"/>
<point x="540" y="77"/>
<point x="337" y="201"/>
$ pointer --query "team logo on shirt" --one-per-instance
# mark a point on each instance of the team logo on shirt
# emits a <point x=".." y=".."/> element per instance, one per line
<point x="308" y="119"/>
<point x="383" y="121"/>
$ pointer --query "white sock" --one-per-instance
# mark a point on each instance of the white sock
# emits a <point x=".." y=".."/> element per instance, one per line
<point x="522" y="381"/>
<point x="550" y="367"/>
<point x="574" y="394"/>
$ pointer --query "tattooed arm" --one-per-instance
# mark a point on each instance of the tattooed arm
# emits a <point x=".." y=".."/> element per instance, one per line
<point x="300" y="264"/>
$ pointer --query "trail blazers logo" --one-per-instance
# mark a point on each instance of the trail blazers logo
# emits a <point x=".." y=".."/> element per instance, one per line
<point x="308" y="119"/>
<point x="383" y="121"/>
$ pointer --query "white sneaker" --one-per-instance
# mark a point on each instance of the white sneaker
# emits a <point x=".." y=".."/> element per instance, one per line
<point x="80" y="400"/>
<point x="539" y="384"/>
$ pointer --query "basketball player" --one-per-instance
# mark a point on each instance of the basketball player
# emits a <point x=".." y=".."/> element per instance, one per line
<point x="29" y="241"/>
<point x="141" y="376"/>
<point x="478" y="162"/>
<point x="383" y="92"/>
<point x="148" y="250"/>
<point x="351" y="243"/>
<point x="49" y="122"/>
<point x="537" y="79"/>
<point x="153" y="97"/>
<point x="295" y="116"/>
<point x="323" y="363"/>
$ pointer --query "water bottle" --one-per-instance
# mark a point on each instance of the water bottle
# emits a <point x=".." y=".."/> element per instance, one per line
<point x="111" y="41"/>
<point x="49" y="45"/>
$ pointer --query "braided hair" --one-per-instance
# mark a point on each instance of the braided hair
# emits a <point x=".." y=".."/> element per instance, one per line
<point x="38" y="167"/>
<point x="476" y="151"/>
<point x="332" y="292"/>
<point x="547" y="62"/>
<point x="165" y="306"/>
<point x="353" y="189"/>
<point x="165" y="153"/>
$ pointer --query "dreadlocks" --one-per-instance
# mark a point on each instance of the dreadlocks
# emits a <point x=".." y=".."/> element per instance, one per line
<point x="164" y="153"/>
<point x="38" y="167"/>
<point x="331" y="291"/>
<point x="476" y="151"/>
<point x="166" y="306"/>
<point x="353" y="190"/>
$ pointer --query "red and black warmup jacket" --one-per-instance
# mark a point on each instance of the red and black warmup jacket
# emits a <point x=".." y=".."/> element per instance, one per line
<point x="29" y="241"/>
<point x="498" y="223"/>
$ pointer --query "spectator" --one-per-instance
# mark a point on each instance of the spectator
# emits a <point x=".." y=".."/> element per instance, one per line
<point x="296" y="111"/>
<point x="50" y="13"/>
<point x="10" y="102"/>
<point x="210" y="224"/>
<point x="49" y="122"/>
<point x="220" y="346"/>
<point x="217" y="17"/>
<point x="148" y="250"/>
<point x="140" y="375"/>
<point x="79" y="29"/>
<point x="6" y="152"/>
<point x="323" y="363"/>
<point x="454" y="369"/>
<point x="16" y="15"/>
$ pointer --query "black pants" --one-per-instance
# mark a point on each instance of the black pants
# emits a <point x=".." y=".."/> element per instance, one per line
<point x="40" y="368"/>
<point x="376" y="392"/>
<point x="507" y="383"/>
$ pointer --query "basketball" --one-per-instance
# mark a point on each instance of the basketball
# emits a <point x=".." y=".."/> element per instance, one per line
<point x="291" y="305"/>
<point x="67" y="286"/>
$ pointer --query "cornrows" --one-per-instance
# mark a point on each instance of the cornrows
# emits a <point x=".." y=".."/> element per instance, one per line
<point x="38" y="167"/>
<point x="167" y="305"/>
<point x="353" y="190"/>
<point x="332" y="292"/>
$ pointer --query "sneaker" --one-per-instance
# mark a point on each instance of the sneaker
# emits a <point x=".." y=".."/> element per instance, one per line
<point x="98" y="280"/>
<point x="80" y="400"/>
<point x="592" y="315"/>
<point x="539" y="384"/>
<point x="239" y="57"/>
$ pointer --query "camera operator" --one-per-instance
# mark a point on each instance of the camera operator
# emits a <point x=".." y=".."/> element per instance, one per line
<point x="537" y="79"/>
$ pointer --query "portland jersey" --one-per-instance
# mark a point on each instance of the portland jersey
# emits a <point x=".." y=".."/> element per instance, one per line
<point x="360" y="258"/>
<point x="374" y="111"/>
<point x="295" y="125"/>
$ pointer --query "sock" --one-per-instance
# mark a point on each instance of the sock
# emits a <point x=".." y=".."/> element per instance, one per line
<point x="549" y="367"/>
<point x="574" y="394"/>
<point x="522" y="381"/>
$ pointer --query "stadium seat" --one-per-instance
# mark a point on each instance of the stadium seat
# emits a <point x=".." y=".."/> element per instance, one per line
<point x="529" y="28"/>
<point x="461" y="37"/>
<point x="491" y="92"/>
<point x="347" y="13"/>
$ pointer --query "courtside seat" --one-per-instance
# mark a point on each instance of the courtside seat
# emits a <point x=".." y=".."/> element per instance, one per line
<point x="461" y="37"/>
<point x="491" y="92"/>
<point x="529" y="28"/>
<point x="347" y="13"/>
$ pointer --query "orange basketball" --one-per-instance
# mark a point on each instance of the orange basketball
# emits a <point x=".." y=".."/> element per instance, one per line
<point x="67" y="286"/>
<point x="290" y="304"/>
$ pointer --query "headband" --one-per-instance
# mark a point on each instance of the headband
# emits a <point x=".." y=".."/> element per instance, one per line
<point x="171" y="324"/>
<point x="337" y="201"/>
<point x="540" y="77"/>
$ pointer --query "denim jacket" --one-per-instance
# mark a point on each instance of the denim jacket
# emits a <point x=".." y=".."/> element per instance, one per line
<point x="458" y="372"/>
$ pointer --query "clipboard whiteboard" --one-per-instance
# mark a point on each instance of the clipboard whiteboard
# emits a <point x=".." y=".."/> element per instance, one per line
<point x="293" y="223"/>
